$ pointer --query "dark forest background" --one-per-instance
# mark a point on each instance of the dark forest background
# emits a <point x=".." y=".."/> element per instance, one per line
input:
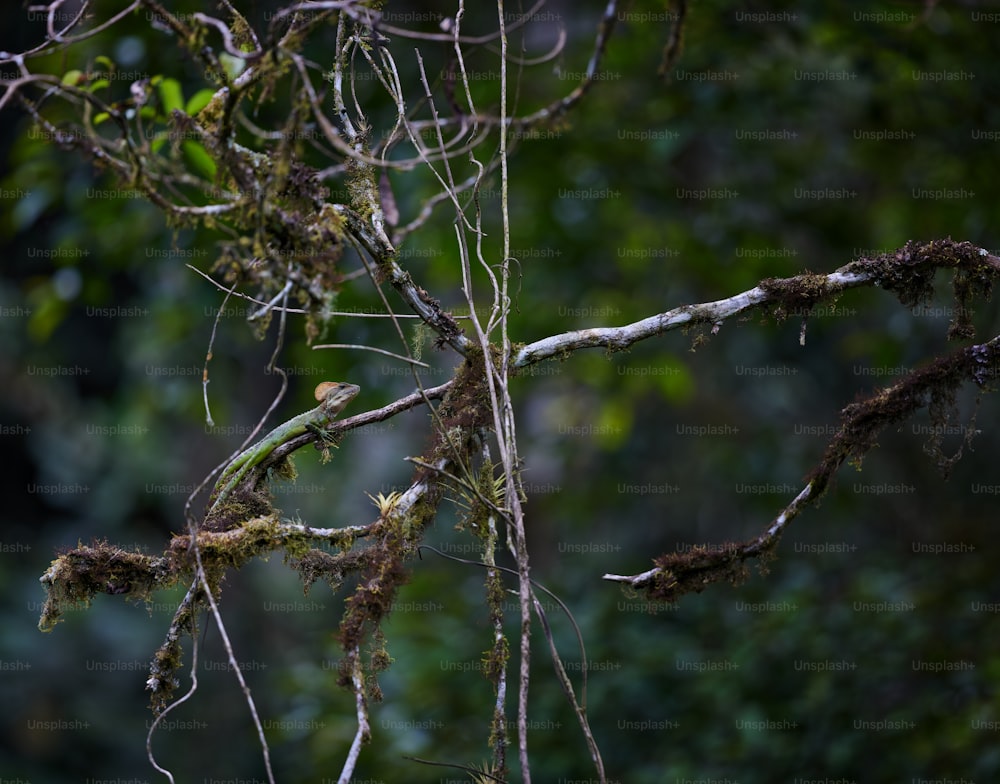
<point x="788" y="137"/>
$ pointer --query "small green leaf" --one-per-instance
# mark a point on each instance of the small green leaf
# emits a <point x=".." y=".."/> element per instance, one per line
<point x="198" y="101"/>
<point x="73" y="77"/>
<point x="199" y="159"/>
<point x="171" y="95"/>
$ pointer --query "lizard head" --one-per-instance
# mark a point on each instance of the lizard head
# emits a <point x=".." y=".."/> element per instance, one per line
<point x="333" y="396"/>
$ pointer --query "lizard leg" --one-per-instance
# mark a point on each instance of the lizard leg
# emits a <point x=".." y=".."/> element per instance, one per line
<point x="322" y="435"/>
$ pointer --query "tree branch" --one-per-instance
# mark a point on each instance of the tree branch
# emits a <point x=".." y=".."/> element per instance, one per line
<point x="904" y="272"/>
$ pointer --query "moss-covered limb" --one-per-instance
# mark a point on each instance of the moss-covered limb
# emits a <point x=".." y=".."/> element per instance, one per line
<point x="76" y="576"/>
<point x="382" y="574"/>
<point x="460" y="419"/>
<point x="419" y="300"/>
<point x="463" y="414"/>
<point x="907" y="273"/>
<point x="676" y="574"/>
<point x="393" y="539"/>
<point x="934" y="387"/>
<point x="797" y="295"/>
<point x="168" y="658"/>
<point x="365" y="219"/>
<point x="331" y="568"/>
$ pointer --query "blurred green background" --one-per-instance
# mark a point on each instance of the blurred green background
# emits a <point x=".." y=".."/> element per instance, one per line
<point x="787" y="137"/>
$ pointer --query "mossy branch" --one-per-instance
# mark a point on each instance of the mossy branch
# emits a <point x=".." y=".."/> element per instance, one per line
<point x="906" y="272"/>
<point x="933" y="387"/>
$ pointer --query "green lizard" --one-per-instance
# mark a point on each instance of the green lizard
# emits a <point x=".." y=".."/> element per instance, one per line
<point x="280" y="442"/>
